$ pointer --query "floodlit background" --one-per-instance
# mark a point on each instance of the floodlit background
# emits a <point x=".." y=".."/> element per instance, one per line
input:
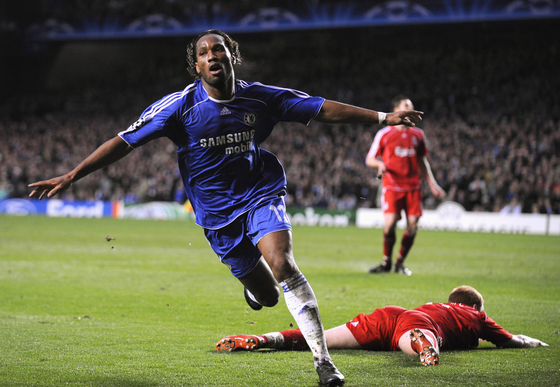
<point x="127" y="302"/>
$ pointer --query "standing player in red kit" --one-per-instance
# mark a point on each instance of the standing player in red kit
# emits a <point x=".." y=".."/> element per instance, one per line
<point x="458" y="324"/>
<point x="400" y="155"/>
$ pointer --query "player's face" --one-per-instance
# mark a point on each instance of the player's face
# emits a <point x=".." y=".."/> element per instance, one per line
<point x="213" y="60"/>
<point x="405" y="104"/>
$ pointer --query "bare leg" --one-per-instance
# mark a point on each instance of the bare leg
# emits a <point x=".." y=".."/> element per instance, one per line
<point x="276" y="265"/>
<point x="412" y="224"/>
<point x="341" y="338"/>
<point x="390" y="223"/>
<point x="276" y="249"/>
<point x="262" y="284"/>
<point x="337" y="338"/>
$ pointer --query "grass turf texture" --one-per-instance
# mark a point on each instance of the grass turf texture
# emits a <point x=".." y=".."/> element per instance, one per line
<point x="147" y="308"/>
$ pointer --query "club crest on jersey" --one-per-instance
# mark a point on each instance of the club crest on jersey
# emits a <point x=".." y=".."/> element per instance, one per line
<point x="415" y="141"/>
<point x="250" y="118"/>
<point x="138" y="124"/>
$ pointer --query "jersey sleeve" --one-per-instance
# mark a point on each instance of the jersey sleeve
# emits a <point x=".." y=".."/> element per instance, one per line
<point x="375" y="150"/>
<point x="493" y="332"/>
<point x="291" y="105"/>
<point x="156" y="121"/>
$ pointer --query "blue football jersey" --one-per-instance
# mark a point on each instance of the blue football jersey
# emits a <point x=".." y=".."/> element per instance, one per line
<point x="224" y="171"/>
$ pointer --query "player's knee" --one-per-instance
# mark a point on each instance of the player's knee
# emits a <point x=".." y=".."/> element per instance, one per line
<point x="390" y="232"/>
<point x="283" y="269"/>
<point x="412" y="230"/>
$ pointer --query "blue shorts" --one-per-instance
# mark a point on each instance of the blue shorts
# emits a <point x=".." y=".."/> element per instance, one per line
<point x="236" y="243"/>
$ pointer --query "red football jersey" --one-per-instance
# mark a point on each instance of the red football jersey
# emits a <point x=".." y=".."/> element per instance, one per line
<point x="461" y="326"/>
<point x="401" y="151"/>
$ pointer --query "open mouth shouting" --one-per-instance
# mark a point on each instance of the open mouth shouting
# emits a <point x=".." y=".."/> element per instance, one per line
<point x="215" y="68"/>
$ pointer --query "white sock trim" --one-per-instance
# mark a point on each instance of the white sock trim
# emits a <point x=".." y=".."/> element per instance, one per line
<point x="275" y="340"/>
<point x="302" y="304"/>
<point x="293" y="282"/>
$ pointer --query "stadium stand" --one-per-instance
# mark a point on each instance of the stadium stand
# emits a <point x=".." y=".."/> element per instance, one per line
<point x="491" y="97"/>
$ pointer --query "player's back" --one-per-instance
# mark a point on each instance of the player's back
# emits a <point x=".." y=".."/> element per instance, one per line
<point x="461" y="326"/>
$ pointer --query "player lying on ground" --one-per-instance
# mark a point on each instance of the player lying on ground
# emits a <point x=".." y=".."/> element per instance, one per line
<point x="236" y="188"/>
<point x="458" y="324"/>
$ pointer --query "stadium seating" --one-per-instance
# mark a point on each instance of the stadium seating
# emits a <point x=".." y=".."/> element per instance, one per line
<point x="492" y="118"/>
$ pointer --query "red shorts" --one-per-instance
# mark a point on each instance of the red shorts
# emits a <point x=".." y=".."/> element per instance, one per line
<point x="381" y="330"/>
<point x="393" y="202"/>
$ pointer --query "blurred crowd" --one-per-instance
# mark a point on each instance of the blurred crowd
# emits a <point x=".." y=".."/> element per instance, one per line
<point x="492" y="122"/>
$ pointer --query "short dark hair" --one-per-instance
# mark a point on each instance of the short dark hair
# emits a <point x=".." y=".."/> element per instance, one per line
<point x="395" y="102"/>
<point x="467" y="295"/>
<point x="231" y="45"/>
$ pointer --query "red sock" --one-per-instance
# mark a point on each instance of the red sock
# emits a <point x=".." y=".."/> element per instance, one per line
<point x="388" y="243"/>
<point x="294" y="340"/>
<point x="406" y="244"/>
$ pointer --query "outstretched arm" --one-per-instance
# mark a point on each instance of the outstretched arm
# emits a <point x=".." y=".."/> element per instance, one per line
<point x="427" y="174"/>
<point x="111" y="151"/>
<point x="522" y="341"/>
<point x="336" y="112"/>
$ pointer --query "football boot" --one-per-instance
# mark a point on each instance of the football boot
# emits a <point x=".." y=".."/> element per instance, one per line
<point x="383" y="267"/>
<point x="240" y="343"/>
<point x="422" y="345"/>
<point x="400" y="268"/>
<point x="329" y="375"/>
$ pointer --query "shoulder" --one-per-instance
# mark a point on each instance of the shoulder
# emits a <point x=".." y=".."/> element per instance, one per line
<point x="384" y="132"/>
<point x="465" y="309"/>
<point x="417" y="131"/>
<point x="433" y="305"/>
<point x="447" y="306"/>
<point x="171" y="102"/>
<point x="260" y="88"/>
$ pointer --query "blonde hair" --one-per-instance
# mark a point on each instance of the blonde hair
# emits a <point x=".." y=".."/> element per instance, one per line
<point x="467" y="295"/>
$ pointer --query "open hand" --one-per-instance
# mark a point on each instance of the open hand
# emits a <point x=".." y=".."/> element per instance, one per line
<point x="437" y="191"/>
<point x="50" y="187"/>
<point x="405" y="117"/>
<point x="529" y="342"/>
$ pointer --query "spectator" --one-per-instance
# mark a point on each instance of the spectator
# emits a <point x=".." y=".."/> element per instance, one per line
<point x="488" y="140"/>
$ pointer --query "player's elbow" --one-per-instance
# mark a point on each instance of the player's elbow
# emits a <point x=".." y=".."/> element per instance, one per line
<point x="370" y="162"/>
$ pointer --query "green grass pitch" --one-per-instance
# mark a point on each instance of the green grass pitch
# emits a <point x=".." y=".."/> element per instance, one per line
<point x="146" y="308"/>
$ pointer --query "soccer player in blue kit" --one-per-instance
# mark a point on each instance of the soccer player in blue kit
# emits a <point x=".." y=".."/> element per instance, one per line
<point x="236" y="188"/>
